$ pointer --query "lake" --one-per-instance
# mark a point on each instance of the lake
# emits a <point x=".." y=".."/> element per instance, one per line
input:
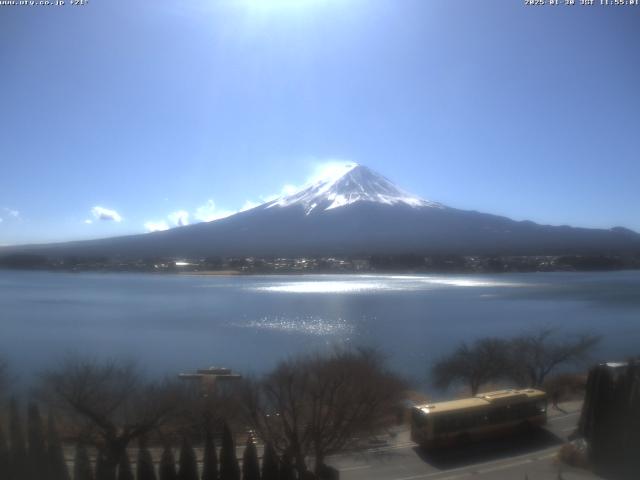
<point x="173" y="323"/>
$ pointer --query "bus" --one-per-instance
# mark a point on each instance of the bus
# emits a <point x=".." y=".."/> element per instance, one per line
<point x="487" y="415"/>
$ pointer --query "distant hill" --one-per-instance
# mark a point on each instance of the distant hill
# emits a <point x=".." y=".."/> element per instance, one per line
<point x="359" y="213"/>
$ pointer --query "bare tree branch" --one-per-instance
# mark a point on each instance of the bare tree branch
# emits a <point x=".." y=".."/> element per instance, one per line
<point x="473" y="365"/>
<point x="317" y="405"/>
<point x="112" y="398"/>
<point x="537" y="354"/>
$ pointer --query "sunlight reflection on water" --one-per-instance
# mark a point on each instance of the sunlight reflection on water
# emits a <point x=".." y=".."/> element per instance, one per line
<point x="311" y="325"/>
<point x="466" y="282"/>
<point x="387" y="283"/>
<point x="323" y="287"/>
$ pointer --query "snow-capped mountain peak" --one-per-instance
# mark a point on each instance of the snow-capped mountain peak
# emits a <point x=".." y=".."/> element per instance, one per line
<point x="357" y="184"/>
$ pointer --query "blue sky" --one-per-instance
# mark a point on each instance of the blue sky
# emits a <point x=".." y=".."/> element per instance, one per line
<point x="123" y="116"/>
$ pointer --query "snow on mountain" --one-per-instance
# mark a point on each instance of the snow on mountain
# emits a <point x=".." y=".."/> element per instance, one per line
<point x="357" y="184"/>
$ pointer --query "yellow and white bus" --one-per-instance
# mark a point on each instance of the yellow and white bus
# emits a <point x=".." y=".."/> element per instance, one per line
<point x="487" y="415"/>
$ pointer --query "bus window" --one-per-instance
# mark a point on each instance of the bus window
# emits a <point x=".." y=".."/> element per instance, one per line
<point x="499" y="415"/>
<point x="440" y="425"/>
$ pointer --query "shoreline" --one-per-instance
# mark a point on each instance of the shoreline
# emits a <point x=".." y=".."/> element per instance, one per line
<point x="237" y="273"/>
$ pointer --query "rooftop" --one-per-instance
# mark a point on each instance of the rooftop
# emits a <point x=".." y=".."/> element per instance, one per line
<point x="483" y="400"/>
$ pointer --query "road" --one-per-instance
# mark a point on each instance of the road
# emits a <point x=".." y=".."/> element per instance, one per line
<point x="531" y="457"/>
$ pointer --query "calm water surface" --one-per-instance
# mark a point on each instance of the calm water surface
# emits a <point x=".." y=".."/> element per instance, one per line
<point x="172" y="323"/>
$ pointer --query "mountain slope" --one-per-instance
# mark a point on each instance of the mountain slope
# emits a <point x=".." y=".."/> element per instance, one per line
<point x="357" y="213"/>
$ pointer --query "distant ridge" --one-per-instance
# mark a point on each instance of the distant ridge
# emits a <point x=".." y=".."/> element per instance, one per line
<point x="358" y="212"/>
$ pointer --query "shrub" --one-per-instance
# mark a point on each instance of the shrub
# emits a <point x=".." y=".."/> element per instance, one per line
<point x="168" y="465"/>
<point x="124" y="468"/>
<point x="188" y="463"/>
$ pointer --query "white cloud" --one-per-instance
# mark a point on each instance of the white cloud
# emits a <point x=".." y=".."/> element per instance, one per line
<point x="248" y="205"/>
<point x="88" y="221"/>
<point x="156" y="226"/>
<point x="269" y="198"/>
<point x="101" y="213"/>
<point x="208" y="212"/>
<point x="285" y="191"/>
<point x="329" y="170"/>
<point x="321" y="171"/>
<point x="179" y="218"/>
<point x="289" y="190"/>
<point x="10" y="214"/>
<point x="13" y="213"/>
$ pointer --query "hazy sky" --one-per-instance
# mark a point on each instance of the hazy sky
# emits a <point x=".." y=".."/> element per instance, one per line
<point x="124" y="116"/>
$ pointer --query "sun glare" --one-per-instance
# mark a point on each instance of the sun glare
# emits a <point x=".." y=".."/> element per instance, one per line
<point x="270" y="5"/>
<point x="330" y="171"/>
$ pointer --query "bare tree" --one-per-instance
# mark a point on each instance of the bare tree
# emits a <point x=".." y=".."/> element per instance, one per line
<point x="201" y="414"/>
<point x="535" y="355"/>
<point x="111" y="398"/>
<point x="473" y="365"/>
<point x="317" y="405"/>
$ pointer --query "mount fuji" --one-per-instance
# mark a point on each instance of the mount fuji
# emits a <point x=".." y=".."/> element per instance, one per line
<point x="358" y="212"/>
<point x="356" y="184"/>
